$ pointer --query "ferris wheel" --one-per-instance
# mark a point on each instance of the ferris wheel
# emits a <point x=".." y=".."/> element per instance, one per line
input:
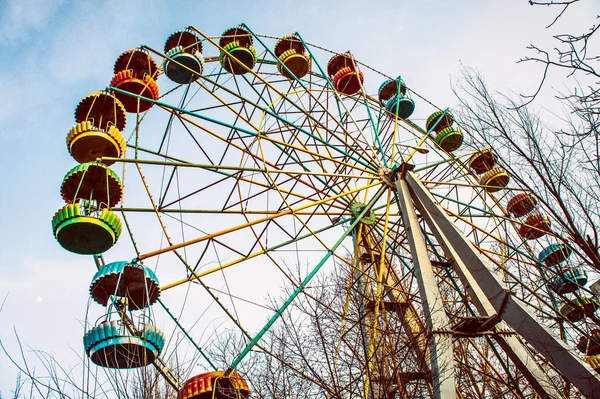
<point x="231" y="166"/>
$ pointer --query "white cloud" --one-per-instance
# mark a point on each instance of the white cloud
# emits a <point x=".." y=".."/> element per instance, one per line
<point x="23" y="17"/>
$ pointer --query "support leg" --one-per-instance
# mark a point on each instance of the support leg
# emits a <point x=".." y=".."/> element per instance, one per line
<point x="440" y="347"/>
<point x="514" y="348"/>
<point x="507" y="306"/>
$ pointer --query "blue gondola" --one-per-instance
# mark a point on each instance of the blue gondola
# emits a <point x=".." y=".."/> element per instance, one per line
<point x="132" y="281"/>
<point x="569" y="280"/>
<point x="554" y="254"/>
<point x="110" y="344"/>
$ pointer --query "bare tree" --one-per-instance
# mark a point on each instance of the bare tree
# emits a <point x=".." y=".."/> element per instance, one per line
<point x="313" y="352"/>
<point x="560" y="164"/>
<point x="577" y="54"/>
<point x="41" y="375"/>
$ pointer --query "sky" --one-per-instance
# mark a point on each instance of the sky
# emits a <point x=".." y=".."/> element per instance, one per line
<point x="55" y="52"/>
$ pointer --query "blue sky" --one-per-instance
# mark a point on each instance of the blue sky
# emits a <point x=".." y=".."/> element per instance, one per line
<point x="55" y="52"/>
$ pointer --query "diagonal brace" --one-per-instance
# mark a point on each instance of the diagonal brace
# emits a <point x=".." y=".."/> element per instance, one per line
<point x="513" y="347"/>
<point x="513" y="311"/>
